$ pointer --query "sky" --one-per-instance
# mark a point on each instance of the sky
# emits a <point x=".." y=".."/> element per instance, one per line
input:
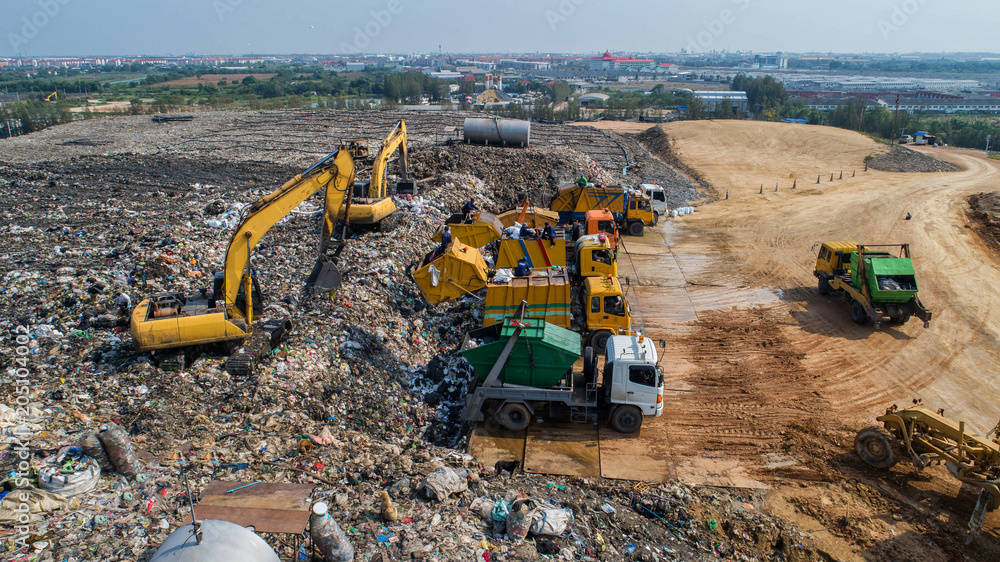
<point x="34" y="28"/>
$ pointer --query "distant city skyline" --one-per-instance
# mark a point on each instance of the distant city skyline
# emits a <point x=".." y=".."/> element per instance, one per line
<point x="39" y="28"/>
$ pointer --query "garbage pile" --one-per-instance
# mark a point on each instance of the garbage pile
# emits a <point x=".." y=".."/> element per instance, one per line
<point x="360" y="399"/>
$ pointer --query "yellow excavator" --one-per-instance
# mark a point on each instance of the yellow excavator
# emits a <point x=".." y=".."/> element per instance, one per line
<point x="228" y="314"/>
<point x="372" y="205"/>
<point x="53" y="95"/>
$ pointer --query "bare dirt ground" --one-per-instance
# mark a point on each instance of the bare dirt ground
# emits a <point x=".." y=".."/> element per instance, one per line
<point x="769" y="381"/>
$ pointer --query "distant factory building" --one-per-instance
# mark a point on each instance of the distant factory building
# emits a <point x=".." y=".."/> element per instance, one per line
<point x="609" y="62"/>
<point x="712" y="99"/>
<point x="524" y="65"/>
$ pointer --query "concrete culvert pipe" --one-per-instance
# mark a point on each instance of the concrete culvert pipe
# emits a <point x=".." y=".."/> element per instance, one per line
<point x="504" y="132"/>
<point x="220" y="540"/>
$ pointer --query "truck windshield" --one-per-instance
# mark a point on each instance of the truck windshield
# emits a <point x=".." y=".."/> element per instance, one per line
<point x="614" y="305"/>
<point x="642" y="374"/>
<point x="605" y="226"/>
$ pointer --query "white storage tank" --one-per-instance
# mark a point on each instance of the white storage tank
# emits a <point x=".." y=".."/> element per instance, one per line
<point x="220" y="540"/>
<point x="504" y="132"/>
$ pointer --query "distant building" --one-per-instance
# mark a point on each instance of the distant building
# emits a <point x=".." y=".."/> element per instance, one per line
<point x="712" y="99"/>
<point x="355" y="66"/>
<point x="524" y="65"/>
<point x="609" y="62"/>
<point x="769" y="61"/>
<point x="595" y="99"/>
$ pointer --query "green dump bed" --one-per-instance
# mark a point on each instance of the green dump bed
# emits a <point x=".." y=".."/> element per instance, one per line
<point x="890" y="279"/>
<point x="541" y="357"/>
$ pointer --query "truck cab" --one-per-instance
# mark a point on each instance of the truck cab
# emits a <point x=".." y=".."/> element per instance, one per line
<point x="594" y="257"/>
<point x="597" y="221"/>
<point x="638" y="215"/>
<point x="657" y="198"/>
<point x="632" y="380"/>
<point x="605" y="310"/>
<point x="834" y="258"/>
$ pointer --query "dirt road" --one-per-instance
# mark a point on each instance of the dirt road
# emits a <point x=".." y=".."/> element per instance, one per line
<point x="769" y="379"/>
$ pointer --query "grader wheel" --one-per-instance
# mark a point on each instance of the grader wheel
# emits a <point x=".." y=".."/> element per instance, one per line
<point x="877" y="447"/>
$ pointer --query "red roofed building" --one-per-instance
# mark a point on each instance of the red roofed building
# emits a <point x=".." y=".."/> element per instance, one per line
<point x="608" y="62"/>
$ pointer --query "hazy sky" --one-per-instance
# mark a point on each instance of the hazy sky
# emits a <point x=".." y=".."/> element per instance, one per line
<point x="160" y="27"/>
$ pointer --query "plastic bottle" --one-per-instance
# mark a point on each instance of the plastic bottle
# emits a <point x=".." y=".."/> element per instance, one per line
<point x="328" y="537"/>
<point x="119" y="449"/>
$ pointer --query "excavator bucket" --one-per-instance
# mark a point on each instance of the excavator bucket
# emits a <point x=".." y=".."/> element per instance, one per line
<point x="324" y="278"/>
<point x="406" y="188"/>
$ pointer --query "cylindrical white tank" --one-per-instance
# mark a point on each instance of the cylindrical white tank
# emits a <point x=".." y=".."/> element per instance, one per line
<point x="220" y="540"/>
<point x="497" y="131"/>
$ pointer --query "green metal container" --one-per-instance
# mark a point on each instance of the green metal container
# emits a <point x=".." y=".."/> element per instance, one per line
<point x="890" y="279"/>
<point x="541" y="357"/>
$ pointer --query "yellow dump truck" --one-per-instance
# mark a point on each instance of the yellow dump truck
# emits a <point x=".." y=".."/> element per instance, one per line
<point x="458" y="270"/>
<point x="482" y="229"/>
<point x="599" y="313"/>
<point x="539" y="253"/>
<point x="631" y="209"/>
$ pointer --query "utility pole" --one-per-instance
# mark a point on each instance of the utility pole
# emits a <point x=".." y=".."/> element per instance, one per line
<point x="988" y="144"/>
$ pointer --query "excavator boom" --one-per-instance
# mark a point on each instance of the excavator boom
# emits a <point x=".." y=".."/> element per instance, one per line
<point x="335" y="172"/>
<point x="395" y="139"/>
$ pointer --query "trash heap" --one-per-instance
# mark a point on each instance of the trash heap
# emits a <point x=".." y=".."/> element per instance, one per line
<point x="360" y="399"/>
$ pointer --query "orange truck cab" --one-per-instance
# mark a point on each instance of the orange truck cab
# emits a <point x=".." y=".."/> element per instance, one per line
<point x="597" y="221"/>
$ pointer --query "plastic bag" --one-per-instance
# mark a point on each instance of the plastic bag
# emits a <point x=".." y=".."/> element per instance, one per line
<point x="119" y="448"/>
<point x="551" y="521"/>
<point x="500" y="510"/>
<point x="93" y="448"/>
<point x="518" y="525"/>
<point x="442" y="483"/>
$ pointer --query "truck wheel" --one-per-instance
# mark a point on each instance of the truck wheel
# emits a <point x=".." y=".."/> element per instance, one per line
<point x="626" y="419"/>
<point x="656" y="217"/>
<point x="824" y="286"/>
<point x="514" y="417"/>
<point x="589" y="363"/>
<point x="903" y="318"/>
<point x="599" y="341"/>
<point x="877" y="447"/>
<point x="635" y="228"/>
<point x="858" y="314"/>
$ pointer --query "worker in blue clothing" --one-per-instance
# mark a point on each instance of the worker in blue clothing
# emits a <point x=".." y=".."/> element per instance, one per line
<point x="549" y="233"/>
<point x="445" y="240"/>
<point x="469" y="209"/>
<point x="523" y="269"/>
<point x="526" y="233"/>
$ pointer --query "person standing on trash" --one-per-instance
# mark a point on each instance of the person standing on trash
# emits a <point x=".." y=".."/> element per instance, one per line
<point x="549" y="234"/>
<point x="445" y="240"/>
<point x="577" y="230"/>
<point x="123" y="303"/>
<point x="522" y="269"/>
<point x="469" y="210"/>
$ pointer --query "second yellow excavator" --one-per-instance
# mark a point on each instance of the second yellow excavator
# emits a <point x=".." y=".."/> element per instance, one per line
<point x="372" y="205"/>
<point x="227" y="313"/>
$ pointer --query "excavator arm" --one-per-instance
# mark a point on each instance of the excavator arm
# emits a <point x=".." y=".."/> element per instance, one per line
<point x="395" y="139"/>
<point x="335" y="172"/>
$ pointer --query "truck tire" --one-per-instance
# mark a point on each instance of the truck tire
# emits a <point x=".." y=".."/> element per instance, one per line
<point x="902" y="318"/>
<point x="514" y="416"/>
<point x="599" y="341"/>
<point x="656" y="217"/>
<point x="635" y="228"/>
<point x="877" y="447"/>
<point x="824" y="286"/>
<point x="626" y="419"/>
<point x="858" y="314"/>
<point x="589" y="363"/>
